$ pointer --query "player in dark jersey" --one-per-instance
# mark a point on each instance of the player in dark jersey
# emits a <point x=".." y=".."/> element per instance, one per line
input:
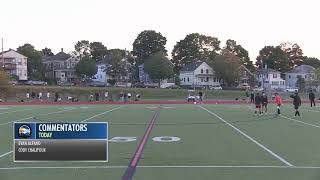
<point x="296" y="103"/>
<point x="258" y="102"/>
<point x="264" y="99"/>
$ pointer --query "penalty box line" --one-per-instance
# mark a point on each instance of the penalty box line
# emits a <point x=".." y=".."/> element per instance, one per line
<point x="249" y="137"/>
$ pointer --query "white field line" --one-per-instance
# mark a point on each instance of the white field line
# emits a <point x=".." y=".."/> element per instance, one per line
<point x="3" y="155"/>
<point x="106" y="112"/>
<point x="7" y="112"/>
<point x="309" y="124"/>
<point x="310" y="110"/>
<point x="250" y="138"/>
<point x="56" y="112"/>
<point x="123" y="167"/>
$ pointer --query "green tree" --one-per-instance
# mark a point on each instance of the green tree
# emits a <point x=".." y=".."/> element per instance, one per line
<point x="274" y="58"/>
<point x="47" y="52"/>
<point x="239" y="51"/>
<point x="317" y="73"/>
<point x="5" y="86"/>
<point x="97" y="50"/>
<point x="158" y="67"/>
<point x="82" y="48"/>
<point x="294" y="53"/>
<point x="314" y="62"/>
<point x="35" y="67"/>
<point x="301" y="83"/>
<point x="86" y="67"/>
<point x="226" y="67"/>
<point x="148" y="43"/>
<point x="194" y="47"/>
<point x="117" y="65"/>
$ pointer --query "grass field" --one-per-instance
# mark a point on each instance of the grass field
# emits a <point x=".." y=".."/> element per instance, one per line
<point x="224" y="142"/>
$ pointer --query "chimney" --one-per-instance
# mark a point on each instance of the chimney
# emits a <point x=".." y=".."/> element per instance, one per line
<point x="61" y="49"/>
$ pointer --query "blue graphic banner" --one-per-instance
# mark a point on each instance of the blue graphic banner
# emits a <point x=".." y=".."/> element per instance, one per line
<point x="35" y="130"/>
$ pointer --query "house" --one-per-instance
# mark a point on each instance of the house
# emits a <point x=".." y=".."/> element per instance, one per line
<point x="245" y="75"/>
<point x="197" y="74"/>
<point x="304" y="71"/>
<point x="270" y="79"/>
<point x="15" y="64"/>
<point x="60" y="67"/>
<point x="102" y="74"/>
<point x="143" y="76"/>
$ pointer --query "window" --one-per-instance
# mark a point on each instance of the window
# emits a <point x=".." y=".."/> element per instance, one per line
<point x="207" y="71"/>
<point x="207" y="79"/>
<point x="289" y="76"/>
<point x="201" y="79"/>
<point x="184" y="79"/>
<point x="305" y="76"/>
<point x="244" y="73"/>
<point x="275" y="75"/>
<point x="188" y="79"/>
<point x="201" y="71"/>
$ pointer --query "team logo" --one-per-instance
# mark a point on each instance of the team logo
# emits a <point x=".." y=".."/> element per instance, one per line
<point x="24" y="131"/>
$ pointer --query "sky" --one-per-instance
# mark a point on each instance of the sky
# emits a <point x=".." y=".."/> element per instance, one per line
<point x="254" y="24"/>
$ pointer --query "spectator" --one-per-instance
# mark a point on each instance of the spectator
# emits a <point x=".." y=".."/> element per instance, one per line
<point x="28" y="95"/>
<point x="48" y="95"/>
<point x="106" y="94"/>
<point x="56" y="97"/>
<point x="96" y="96"/>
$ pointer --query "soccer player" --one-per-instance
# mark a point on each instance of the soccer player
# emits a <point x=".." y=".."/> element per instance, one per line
<point x="264" y="99"/>
<point x="252" y="97"/>
<point x="296" y="102"/>
<point x="312" y="97"/>
<point x="258" y="102"/>
<point x="200" y="96"/>
<point x="278" y="102"/>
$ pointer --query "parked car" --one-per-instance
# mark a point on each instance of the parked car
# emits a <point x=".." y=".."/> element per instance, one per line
<point x="39" y="83"/>
<point x="197" y="87"/>
<point x="13" y="82"/>
<point x="151" y="85"/>
<point x="291" y="90"/>
<point x="139" y="85"/>
<point x="97" y="84"/>
<point x="215" y="87"/>
<point x="244" y="86"/>
<point x="165" y="85"/>
<point x="173" y="87"/>
<point x="258" y="89"/>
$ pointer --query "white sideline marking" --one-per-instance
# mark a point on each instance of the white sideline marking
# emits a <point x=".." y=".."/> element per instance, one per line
<point x="309" y="124"/>
<point x="56" y="112"/>
<point x="7" y="153"/>
<point x="310" y="110"/>
<point x="123" y="167"/>
<point x="250" y="138"/>
<point x="102" y="113"/>
<point x="16" y="111"/>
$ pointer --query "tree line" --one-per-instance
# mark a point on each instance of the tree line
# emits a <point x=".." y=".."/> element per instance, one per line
<point x="149" y="49"/>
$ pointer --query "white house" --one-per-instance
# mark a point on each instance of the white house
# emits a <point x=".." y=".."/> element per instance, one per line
<point x="270" y="79"/>
<point x="14" y="63"/>
<point x="197" y="73"/>
<point x="304" y="71"/>
<point x="101" y="75"/>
